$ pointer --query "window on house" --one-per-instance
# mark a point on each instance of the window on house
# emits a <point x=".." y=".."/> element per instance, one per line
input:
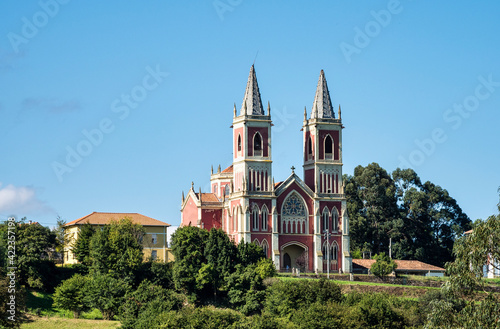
<point x="335" y="219"/>
<point x="154" y="238"/>
<point x="264" y="219"/>
<point x="255" y="219"/>
<point x="154" y="254"/>
<point x="265" y="247"/>
<point x="326" y="217"/>
<point x="334" y="252"/>
<point x="328" y="147"/>
<point x="257" y="145"/>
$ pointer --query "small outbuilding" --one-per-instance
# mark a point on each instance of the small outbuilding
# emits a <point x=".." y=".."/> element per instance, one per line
<point x="413" y="267"/>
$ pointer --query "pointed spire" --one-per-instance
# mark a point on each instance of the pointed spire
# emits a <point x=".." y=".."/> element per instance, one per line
<point x="182" y="196"/>
<point x="218" y="169"/>
<point x="340" y="113"/>
<point x="305" y="113"/>
<point x="268" y="108"/>
<point x="252" y="104"/>
<point x="192" y="185"/>
<point x="322" y="106"/>
<point x="212" y="170"/>
<point x="235" y="110"/>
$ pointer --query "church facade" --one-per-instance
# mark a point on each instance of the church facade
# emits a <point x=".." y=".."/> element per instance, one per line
<point x="300" y="223"/>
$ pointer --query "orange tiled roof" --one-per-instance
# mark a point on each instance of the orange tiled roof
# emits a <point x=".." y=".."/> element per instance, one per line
<point x="101" y="218"/>
<point x="207" y="197"/>
<point x="228" y="169"/>
<point x="403" y="265"/>
<point x="277" y="184"/>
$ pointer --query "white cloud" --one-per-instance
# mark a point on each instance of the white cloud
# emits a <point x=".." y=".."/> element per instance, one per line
<point x="22" y="201"/>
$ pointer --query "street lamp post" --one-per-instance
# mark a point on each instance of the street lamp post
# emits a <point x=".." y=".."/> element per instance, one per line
<point x="327" y="238"/>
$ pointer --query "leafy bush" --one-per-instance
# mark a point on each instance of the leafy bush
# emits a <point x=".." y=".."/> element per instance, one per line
<point x="383" y="266"/>
<point x="246" y="291"/>
<point x="286" y="296"/>
<point x="105" y="293"/>
<point x="70" y="295"/>
<point x="146" y="303"/>
<point x="198" y="318"/>
<point x="375" y="310"/>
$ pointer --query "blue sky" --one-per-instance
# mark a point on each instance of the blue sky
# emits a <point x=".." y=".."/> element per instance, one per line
<point x="144" y="92"/>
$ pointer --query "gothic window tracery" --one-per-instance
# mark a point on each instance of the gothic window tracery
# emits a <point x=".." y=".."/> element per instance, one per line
<point x="294" y="215"/>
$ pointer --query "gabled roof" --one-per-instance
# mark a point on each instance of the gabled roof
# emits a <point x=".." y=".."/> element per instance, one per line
<point x="228" y="169"/>
<point x="101" y="218"/>
<point x="252" y="104"/>
<point x="322" y="105"/>
<point x="403" y="265"/>
<point x="293" y="178"/>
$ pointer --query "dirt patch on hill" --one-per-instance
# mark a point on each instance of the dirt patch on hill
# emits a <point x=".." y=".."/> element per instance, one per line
<point x="396" y="291"/>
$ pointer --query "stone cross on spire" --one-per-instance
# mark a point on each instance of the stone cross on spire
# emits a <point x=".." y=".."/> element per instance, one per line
<point x="252" y="104"/>
<point x="322" y="106"/>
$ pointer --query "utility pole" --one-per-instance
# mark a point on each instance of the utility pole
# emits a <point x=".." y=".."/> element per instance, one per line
<point x="390" y="248"/>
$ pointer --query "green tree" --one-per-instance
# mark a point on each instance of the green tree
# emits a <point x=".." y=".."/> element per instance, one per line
<point x="61" y="241"/>
<point x="372" y="207"/>
<point x="249" y="253"/>
<point x="81" y="247"/>
<point x="472" y="252"/>
<point x="432" y="220"/>
<point x="106" y="293"/>
<point x="70" y="295"/>
<point x="117" y="249"/>
<point x="221" y="256"/>
<point x="142" y="305"/>
<point x="188" y="247"/>
<point x="33" y="244"/>
<point x="383" y="265"/>
<point x="246" y="290"/>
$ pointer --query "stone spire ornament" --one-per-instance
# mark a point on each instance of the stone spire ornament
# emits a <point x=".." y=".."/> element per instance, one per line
<point x="322" y="106"/>
<point x="252" y="103"/>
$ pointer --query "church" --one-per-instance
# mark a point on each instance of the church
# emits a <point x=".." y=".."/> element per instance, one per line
<point x="299" y="222"/>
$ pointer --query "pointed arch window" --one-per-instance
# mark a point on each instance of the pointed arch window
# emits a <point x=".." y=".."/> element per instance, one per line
<point x="335" y="219"/>
<point x="265" y="216"/>
<point x="226" y="189"/>
<point x="294" y="215"/>
<point x="309" y="148"/>
<point x="239" y="144"/>
<point x="257" y="145"/>
<point x="255" y="218"/>
<point x="326" y="219"/>
<point x="334" y="252"/>
<point x="328" y="147"/>
<point x="265" y="247"/>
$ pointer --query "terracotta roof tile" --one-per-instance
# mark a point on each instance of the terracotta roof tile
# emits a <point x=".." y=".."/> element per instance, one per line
<point x="403" y="265"/>
<point x="207" y="197"/>
<point x="101" y="218"/>
<point x="228" y="169"/>
<point x="277" y="184"/>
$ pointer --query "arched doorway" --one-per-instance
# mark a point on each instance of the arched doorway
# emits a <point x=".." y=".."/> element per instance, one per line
<point x="287" y="261"/>
<point x="295" y="256"/>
